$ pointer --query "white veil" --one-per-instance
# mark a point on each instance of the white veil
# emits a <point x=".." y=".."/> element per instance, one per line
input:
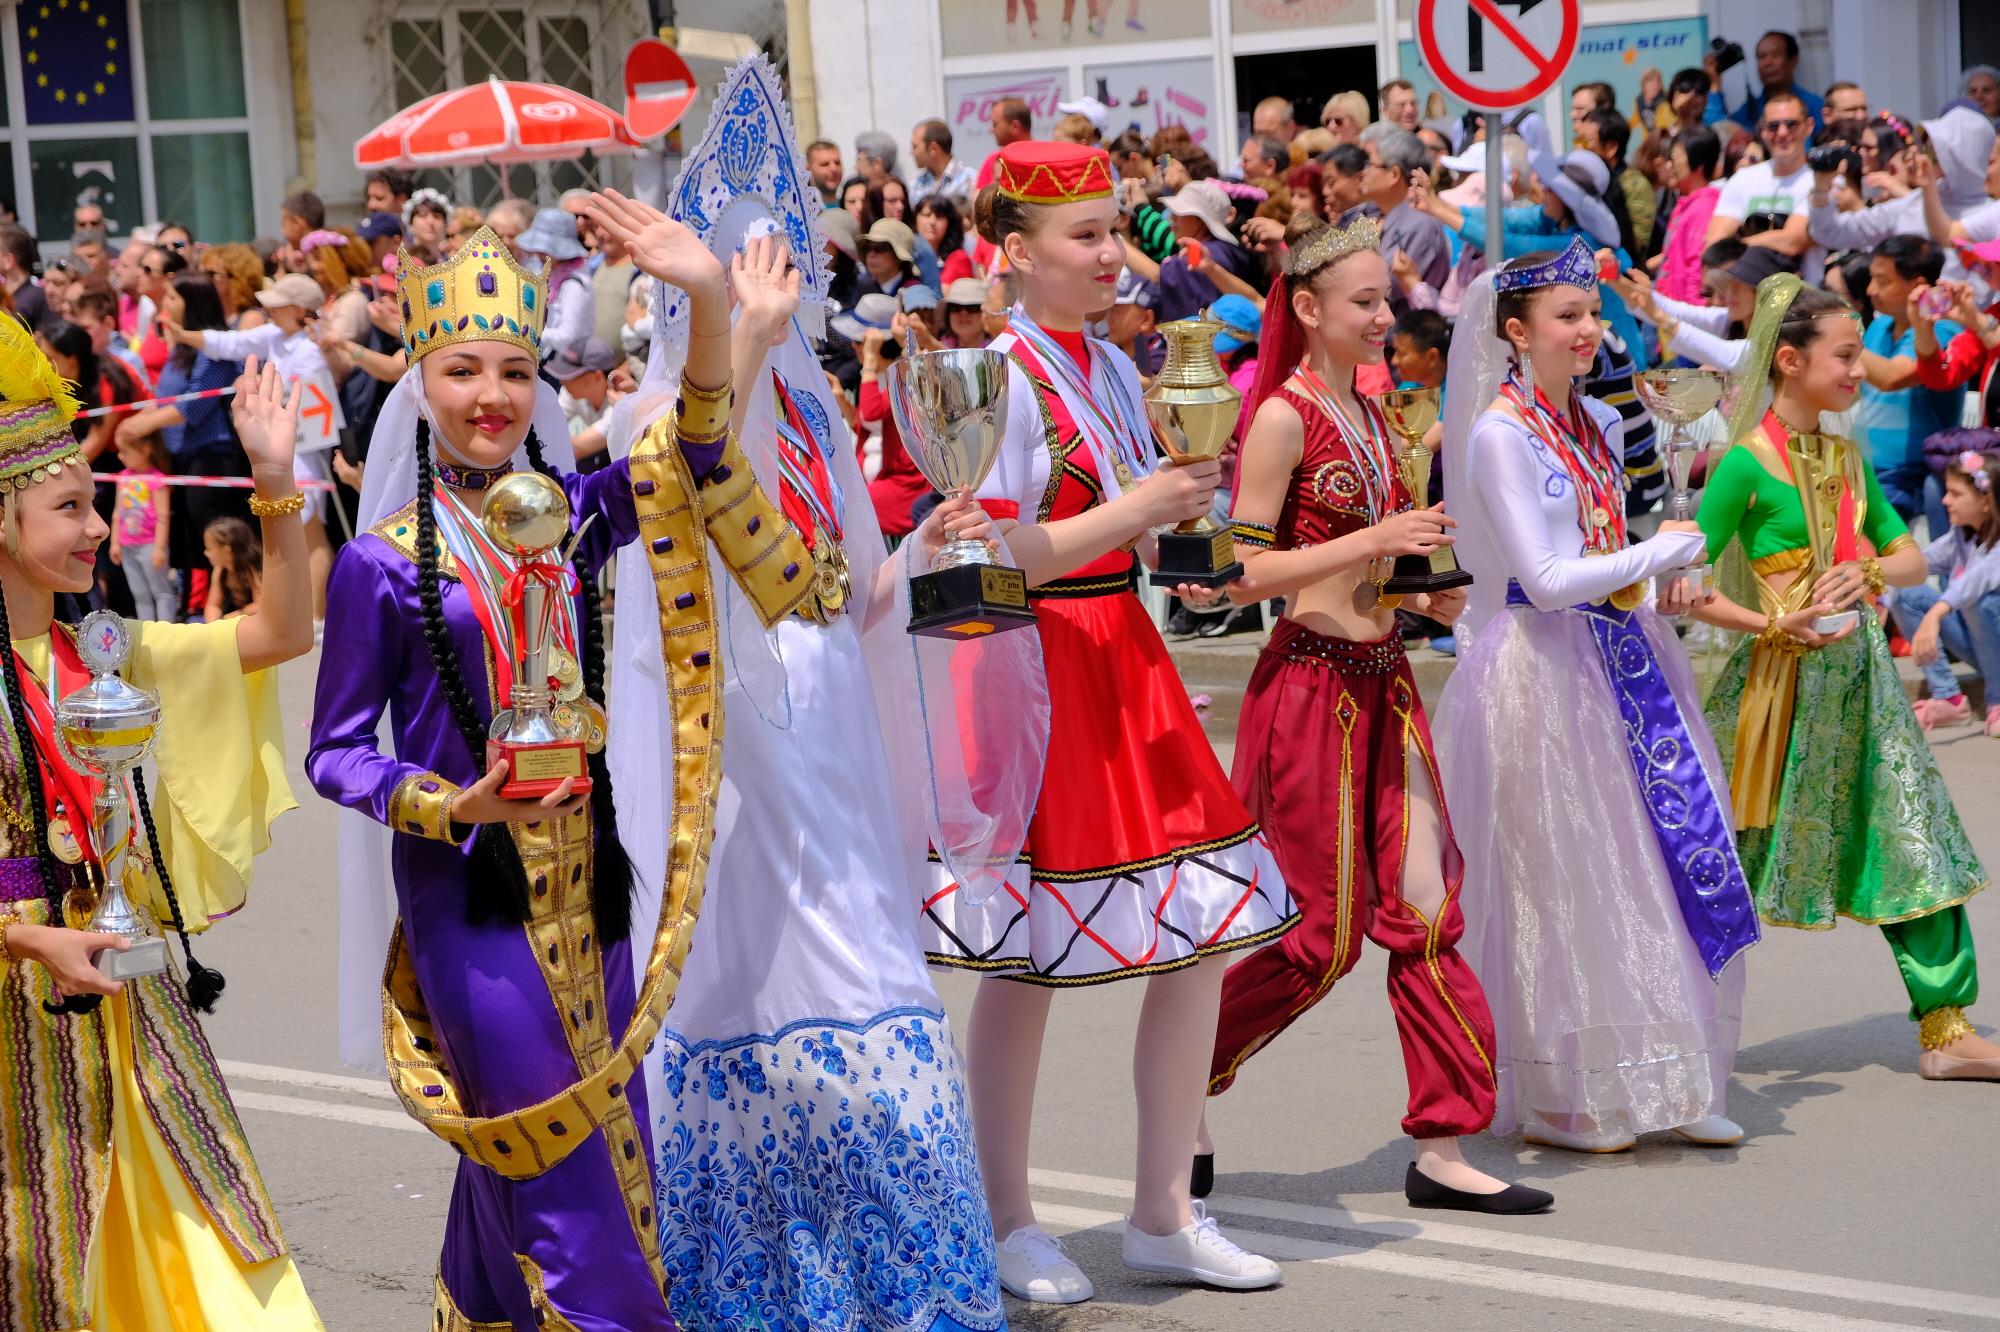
<point x="367" y="883"/>
<point x="1480" y="359"/>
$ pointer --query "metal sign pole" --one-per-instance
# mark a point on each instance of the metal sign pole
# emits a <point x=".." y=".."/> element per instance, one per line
<point x="1496" y="184"/>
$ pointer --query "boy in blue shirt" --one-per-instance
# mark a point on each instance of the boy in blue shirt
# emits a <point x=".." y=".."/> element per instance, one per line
<point x="1896" y="414"/>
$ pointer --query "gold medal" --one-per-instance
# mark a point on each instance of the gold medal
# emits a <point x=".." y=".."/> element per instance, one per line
<point x="595" y="730"/>
<point x="1629" y="597"/>
<point x="830" y="583"/>
<point x="565" y="673"/>
<point x="1389" y="601"/>
<point x="79" y="904"/>
<point x="1599" y="517"/>
<point x="62" y="841"/>
<point x="1367" y="596"/>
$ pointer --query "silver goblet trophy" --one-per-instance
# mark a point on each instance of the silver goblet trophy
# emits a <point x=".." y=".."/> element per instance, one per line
<point x="951" y="410"/>
<point x="1678" y="397"/>
<point x="108" y="727"/>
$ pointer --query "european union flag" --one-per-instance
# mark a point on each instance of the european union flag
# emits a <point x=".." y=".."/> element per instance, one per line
<point x="75" y="60"/>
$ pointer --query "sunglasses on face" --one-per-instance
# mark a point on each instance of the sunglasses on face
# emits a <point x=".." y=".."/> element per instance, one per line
<point x="1783" y="124"/>
<point x="176" y="245"/>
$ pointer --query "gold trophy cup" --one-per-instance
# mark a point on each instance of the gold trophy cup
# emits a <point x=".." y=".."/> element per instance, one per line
<point x="1411" y="413"/>
<point x="541" y="738"/>
<point x="1819" y="469"/>
<point x="1194" y="408"/>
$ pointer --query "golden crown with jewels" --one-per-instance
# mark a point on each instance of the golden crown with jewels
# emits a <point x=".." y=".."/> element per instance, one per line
<point x="480" y="294"/>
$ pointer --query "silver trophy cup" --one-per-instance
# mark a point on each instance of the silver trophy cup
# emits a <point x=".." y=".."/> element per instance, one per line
<point x="1677" y="398"/>
<point x="108" y="727"/>
<point x="951" y="410"/>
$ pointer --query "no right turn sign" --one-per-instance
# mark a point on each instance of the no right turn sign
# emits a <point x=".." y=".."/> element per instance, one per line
<point x="1498" y="54"/>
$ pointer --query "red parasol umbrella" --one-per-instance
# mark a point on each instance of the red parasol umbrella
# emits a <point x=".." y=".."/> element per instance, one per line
<point x="495" y="121"/>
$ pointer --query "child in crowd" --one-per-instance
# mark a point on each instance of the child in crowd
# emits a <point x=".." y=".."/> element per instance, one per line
<point x="237" y="560"/>
<point x="142" y="522"/>
<point x="1419" y="346"/>
<point x="1963" y="622"/>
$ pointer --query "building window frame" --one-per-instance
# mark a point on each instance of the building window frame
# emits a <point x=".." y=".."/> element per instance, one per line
<point x="19" y="135"/>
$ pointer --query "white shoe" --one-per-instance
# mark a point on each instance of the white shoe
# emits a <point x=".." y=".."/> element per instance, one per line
<point x="1598" y="1140"/>
<point x="1200" y="1252"/>
<point x="1714" y="1131"/>
<point x="1034" y="1267"/>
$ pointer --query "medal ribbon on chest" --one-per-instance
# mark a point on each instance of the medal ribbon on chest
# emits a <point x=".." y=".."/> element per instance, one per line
<point x="1596" y="478"/>
<point x="68" y="793"/>
<point x="494" y="583"/>
<point x="807" y="496"/>
<point x="1118" y="440"/>
<point x="1381" y="488"/>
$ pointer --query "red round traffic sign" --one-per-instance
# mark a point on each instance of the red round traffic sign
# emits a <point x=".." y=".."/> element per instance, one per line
<point x="1498" y="54"/>
<point x="659" y="88"/>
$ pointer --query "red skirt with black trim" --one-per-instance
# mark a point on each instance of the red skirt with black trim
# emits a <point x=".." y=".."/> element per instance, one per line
<point x="1141" y="857"/>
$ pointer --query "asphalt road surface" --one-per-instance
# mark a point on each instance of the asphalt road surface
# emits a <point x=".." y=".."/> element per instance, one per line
<point x="1865" y="1198"/>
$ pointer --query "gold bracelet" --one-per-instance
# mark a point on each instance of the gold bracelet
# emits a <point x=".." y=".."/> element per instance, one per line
<point x="1871" y="574"/>
<point x="9" y="918"/>
<point x="1780" y="640"/>
<point x="293" y="503"/>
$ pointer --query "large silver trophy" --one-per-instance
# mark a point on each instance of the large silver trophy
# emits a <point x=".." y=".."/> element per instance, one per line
<point x="951" y="409"/>
<point x="108" y="727"/>
<point x="1678" y="397"/>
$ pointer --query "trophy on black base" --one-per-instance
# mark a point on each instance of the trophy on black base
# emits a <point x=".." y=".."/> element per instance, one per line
<point x="951" y="410"/>
<point x="1411" y="413"/>
<point x="108" y="727"/>
<point x="1193" y="408"/>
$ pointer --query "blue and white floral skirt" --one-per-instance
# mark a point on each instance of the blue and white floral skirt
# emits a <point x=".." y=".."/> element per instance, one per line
<point x="823" y="1179"/>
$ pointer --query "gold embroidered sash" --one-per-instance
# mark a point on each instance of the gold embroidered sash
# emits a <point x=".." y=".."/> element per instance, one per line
<point x="766" y="555"/>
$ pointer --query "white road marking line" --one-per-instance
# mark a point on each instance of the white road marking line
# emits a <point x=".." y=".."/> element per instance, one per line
<point x="236" y="1069"/>
<point x="1561" y="1250"/>
<point x="346" y="1114"/>
<point x="1540" y="1285"/>
<point x="1374" y="1259"/>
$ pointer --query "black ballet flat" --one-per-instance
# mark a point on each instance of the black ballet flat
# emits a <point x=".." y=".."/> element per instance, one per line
<point x="1201" y="1179"/>
<point x="1514" y="1200"/>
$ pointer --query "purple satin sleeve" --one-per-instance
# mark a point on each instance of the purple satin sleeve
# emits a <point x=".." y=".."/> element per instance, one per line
<point x="703" y="458"/>
<point x="605" y="495"/>
<point x="360" y="658"/>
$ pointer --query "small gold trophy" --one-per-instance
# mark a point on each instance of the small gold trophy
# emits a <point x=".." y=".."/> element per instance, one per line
<point x="1411" y="413"/>
<point x="108" y="727"/>
<point x="1819" y="469"/>
<point x="541" y="739"/>
<point x="1194" y="409"/>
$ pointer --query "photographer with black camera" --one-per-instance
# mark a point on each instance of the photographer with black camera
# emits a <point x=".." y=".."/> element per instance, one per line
<point x="1777" y="69"/>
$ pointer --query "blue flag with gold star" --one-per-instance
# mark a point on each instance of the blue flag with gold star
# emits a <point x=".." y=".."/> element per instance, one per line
<point x="74" y="65"/>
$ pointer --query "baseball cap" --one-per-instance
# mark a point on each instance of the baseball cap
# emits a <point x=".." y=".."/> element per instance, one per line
<point x="1759" y="262"/>
<point x="292" y="289"/>
<point x="1096" y="112"/>
<point x="1241" y="322"/>
<point x="375" y="226"/>
<point x="582" y="358"/>
<point x="1135" y="290"/>
<point x="1203" y="199"/>
<point x="1987" y="252"/>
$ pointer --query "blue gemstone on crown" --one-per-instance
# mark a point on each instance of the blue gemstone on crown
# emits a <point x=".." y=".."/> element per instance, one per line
<point x="1574" y="267"/>
<point x="489" y="285"/>
<point x="434" y="292"/>
<point x="527" y="298"/>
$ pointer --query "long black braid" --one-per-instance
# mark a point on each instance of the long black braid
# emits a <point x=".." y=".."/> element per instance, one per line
<point x="612" y="879"/>
<point x="499" y="885"/>
<point x="38" y="809"/>
<point x="204" y="984"/>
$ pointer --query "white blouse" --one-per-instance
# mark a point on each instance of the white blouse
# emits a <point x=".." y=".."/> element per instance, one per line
<point x="1521" y="524"/>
